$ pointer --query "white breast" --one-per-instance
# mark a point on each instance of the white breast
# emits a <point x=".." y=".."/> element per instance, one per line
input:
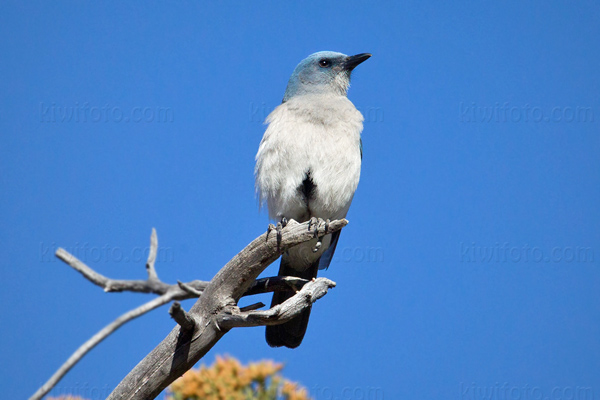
<point x="320" y="134"/>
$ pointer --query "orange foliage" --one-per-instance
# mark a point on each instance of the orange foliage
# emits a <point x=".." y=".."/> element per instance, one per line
<point x="228" y="379"/>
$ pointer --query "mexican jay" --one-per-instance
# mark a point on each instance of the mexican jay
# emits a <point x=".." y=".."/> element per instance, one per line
<point x="308" y="166"/>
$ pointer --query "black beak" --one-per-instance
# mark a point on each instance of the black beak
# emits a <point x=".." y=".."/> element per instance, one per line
<point x="352" y="61"/>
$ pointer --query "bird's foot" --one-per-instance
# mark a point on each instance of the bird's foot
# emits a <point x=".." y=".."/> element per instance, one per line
<point x="280" y="225"/>
<point x="313" y="223"/>
<point x="278" y="229"/>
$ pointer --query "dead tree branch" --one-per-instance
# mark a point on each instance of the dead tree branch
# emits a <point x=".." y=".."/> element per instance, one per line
<point x="213" y="314"/>
<point x="181" y="349"/>
<point x="292" y="307"/>
<point x="181" y="317"/>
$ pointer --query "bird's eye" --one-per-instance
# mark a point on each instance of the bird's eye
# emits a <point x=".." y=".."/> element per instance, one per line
<point x="324" y="63"/>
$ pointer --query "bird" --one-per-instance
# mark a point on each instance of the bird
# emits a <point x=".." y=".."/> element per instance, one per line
<point x="308" y="167"/>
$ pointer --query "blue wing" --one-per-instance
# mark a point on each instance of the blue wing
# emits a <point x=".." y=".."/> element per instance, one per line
<point x="360" y="147"/>
<point x="328" y="254"/>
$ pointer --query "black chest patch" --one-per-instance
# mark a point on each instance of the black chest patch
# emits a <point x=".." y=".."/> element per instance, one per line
<point x="307" y="187"/>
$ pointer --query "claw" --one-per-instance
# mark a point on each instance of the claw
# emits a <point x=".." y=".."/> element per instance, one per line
<point x="278" y="228"/>
<point x="314" y="224"/>
<point x="313" y="221"/>
<point x="327" y="221"/>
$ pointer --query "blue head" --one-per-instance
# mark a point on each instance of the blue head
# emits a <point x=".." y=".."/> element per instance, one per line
<point x="325" y="72"/>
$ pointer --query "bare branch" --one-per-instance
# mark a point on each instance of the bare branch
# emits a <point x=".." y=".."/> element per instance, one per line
<point x="181" y="317"/>
<point x="112" y="285"/>
<point x="187" y="288"/>
<point x="292" y="307"/>
<point x="83" y="269"/>
<point x="152" y="256"/>
<point x="116" y="285"/>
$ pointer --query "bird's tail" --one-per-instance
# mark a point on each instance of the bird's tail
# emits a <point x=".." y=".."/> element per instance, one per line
<point x="291" y="333"/>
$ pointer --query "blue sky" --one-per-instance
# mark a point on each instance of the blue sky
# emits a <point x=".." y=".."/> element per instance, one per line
<point x="470" y="264"/>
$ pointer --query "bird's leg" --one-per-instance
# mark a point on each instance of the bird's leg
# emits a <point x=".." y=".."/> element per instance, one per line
<point x="320" y="240"/>
<point x="279" y="228"/>
<point x="314" y="223"/>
